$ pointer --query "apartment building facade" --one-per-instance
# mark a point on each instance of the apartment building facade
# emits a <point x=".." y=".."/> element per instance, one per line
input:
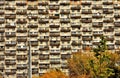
<point x="55" y="29"/>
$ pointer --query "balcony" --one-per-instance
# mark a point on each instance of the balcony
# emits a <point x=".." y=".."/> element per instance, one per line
<point x="54" y="34"/>
<point x="44" y="57"/>
<point x="21" y="75"/>
<point x="46" y="48"/>
<point x="43" y="3"/>
<point x="43" y="12"/>
<point x="64" y="3"/>
<point x="10" y="8"/>
<point x="10" y="72"/>
<point x="117" y="24"/>
<point x="75" y="25"/>
<point x="10" y="62"/>
<point x="76" y="16"/>
<point x="64" y="20"/>
<point x="10" y="53"/>
<point x="95" y="33"/>
<point x="65" y="12"/>
<point x="34" y="53"/>
<point x="64" y="66"/>
<point x="32" y="8"/>
<point x="43" y="21"/>
<point x="54" y="26"/>
<point x="2" y="13"/>
<point x="44" y="39"/>
<point x="31" y="34"/>
<point x="10" y="16"/>
<point x="116" y="16"/>
<point x="34" y="63"/>
<point x="65" y="48"/>
<point x="97" y="24"/>
<point x="21" y="3"/>
<point x="21" y="67"/>
<point x="117" y="42"/>
<point x="54" y="62"/>
<point x="21" y="57"/>
<point x="44" y="66"/>
<point x="19" y="48"/>
<point x="74" y="43"/>
<point x="108" y="20"/>
<point x="10" y="26"/>
<point x="32" y="26"/>
<point x="65" y="30"/>
<point x="107" y="11"/>
<point x="56" y="43"/>
<point x="2" y="3"/>
<point x="2" y="67"/>
<point x="116" y="6"/>
<point x="34" y="43"/>
<point x="109" y="38"/>
<point x="110" y="47"/>
<point x="109" y="29"/>
<point x="10" y="43"/>
<point x="76" y="34"/>
<point x="21" y="21"/>
<point x="2" y="21"/>
<point x="2" y="39"/>
<point x="54" y="53"/>
<point x="2" y="29"/>
<point x="34" y="17"/>
<point x="96" y="43"/>
<point x="2" y="57"/>
<point x="97" y="16"/>
<point x="117" y="34"/>
<point x="12" y="34"/>
<point x="107" y="3"/>
<point x="54" y="7"/>
<point x="43" y="30"/>
<point x="87" y="38"/>
<point x="21" y="39"/>
<point x="21" y="12"/>
<point x="35" y="71"/>
<point x="53" y="17"/>
<point x="86" y="20"/>
<point x="75" y="8"/>
<point x="86" y="30"/>
<point x="97" y="7"/>
<point x="2" y="48"/>
<point x="65" y="56"/>
<point x="86" y="3"/>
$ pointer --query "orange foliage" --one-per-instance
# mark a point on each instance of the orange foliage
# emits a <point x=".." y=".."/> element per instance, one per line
<point x="54" y="74"/>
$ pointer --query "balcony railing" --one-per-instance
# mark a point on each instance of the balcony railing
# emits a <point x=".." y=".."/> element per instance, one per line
<point x="10" y="53"/>
<point x="117" y="42"/>
<point x="2" y="57"/>
<point x="117" y="24"/>
<point x="117" y="34"/>
<point x="97" y="7"/>
<point x="43" y="30"/>
<point x="21" y="21"/>
<point x="55" y="34"/>
<point x="75" y="25"/>
<point x="108" y="29"/>
<point x="21" y="3"/>
<point x="76" y="34"/>
<point x="32" y="8"/>
<point x="10" y="26"/>
<point x="74" y="43"/>
<point x="75" y="8"/>
<point x="32" y="26"/>
<point x="86" y="38"/>
<point x="2" y="29"/>
<point x="21" y="57"/>
<point x="53" y="7"/>
<point x="54" y="26"/>
<point x="10" y="34"/>
<point x="42" y="12"/>
<point x="46" y="48"/>
<point x="64" y="12"/>
<point x="2" y="48"/>
<point x="65" y="56"/>
<point x="21" y="67"/>
<point x="43" y="66"/>
<point x="65" y="20"/>
<point x="65" y="48"/>
<point x="86" y="3"/>
<point x="43" y="21"/>
<point x="11" y="43"/>
<point x="86" y="20"/>
<point x="21" y="39"/>
<point x="97" y="24"/>
<point x="43" y="3"/>
<point x="54" y="43"/>
<point x="21" y="12"/>
<point x="107" y="3"/>
<point x="44" y="57"/>
<point x="10" y="8"/>
<point x="21" y="48"/>
<point x="54" y="62"/>
<point x="2" y="13"/>
<point x="10" y="16"/>
<point x="65" y="30"/>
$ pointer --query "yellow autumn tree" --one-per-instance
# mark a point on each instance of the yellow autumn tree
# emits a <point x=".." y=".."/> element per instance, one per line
<point x="54" y="73"/>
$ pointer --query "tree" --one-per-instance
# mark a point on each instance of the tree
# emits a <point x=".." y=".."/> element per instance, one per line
<point x="54" y="73"/>
<point x="96" y="64"/>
